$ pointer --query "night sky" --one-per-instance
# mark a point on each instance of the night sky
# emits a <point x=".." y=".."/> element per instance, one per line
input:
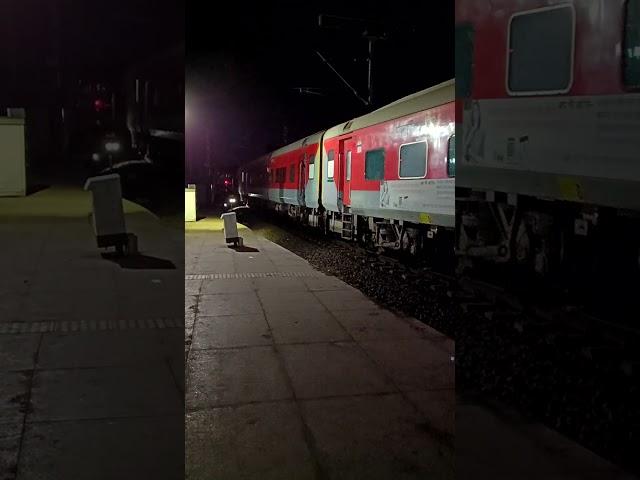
<point x="244" y="61"/>
<point x="54" y="54"/>
<point x="92" y="39"/>
<point x="244" y="65"/>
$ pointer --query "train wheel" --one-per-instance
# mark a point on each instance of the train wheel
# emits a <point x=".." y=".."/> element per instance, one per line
<point x="408" y="243"/>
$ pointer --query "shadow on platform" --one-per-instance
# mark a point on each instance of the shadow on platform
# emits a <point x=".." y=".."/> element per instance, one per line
<point x="139" y="262"/>
<point x="35" y="188"/>
<point x="243" y="248"/>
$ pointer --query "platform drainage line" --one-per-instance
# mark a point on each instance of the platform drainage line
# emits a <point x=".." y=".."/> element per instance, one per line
<point x="77" y="326"/>
<point x="231" y="276"/>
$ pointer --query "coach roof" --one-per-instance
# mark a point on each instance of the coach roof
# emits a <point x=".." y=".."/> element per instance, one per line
<point x="417" y="102"/>
<point x="309" y="140"/>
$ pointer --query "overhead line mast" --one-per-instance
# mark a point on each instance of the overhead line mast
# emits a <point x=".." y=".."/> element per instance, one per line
<point x="366" y="29"/>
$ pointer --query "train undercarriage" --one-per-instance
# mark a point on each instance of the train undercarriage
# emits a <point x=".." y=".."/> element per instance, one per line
<point x="407" y="238"/>
<point x="582" y="249"/>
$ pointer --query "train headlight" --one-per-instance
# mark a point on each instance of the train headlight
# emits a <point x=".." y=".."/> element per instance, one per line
<point x="112" y="146"/>
<point x="232" y="200"/>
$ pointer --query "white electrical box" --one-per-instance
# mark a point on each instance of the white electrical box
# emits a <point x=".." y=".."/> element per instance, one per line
<point x="190" y="203"/>
<point x="108" y="213"/>
<point x="230" y="227"/>
<point x="13" y="176"/>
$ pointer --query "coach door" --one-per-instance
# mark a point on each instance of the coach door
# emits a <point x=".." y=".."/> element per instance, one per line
<point x="302" y="180"/>
<point x="346" y="152"/>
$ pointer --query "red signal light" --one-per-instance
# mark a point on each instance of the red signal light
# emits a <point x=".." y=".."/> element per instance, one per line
<point x="100" y="105"/>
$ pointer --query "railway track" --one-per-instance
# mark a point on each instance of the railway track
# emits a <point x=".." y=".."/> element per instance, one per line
<point x="557" y="364"/>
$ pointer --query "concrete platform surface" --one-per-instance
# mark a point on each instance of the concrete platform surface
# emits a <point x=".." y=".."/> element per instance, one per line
<point x="292" y="374"/>
<point x="91" y="354"/>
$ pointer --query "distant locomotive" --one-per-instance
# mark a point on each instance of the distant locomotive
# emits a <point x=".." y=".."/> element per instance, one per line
<point x="384" y="179"/>
<point x="548" y="123"/>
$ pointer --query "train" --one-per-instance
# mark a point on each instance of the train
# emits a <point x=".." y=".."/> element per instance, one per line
<point x="385" y="179"/>
<point x="548" y="122"/>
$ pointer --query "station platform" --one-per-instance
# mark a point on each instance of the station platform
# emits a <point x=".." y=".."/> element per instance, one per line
<point x="294" y="374"/>
<point x="91" y="353"/>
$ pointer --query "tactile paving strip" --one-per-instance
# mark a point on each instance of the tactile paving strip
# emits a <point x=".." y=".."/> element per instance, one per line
<point x="71" y="326"/>
<point x="221" y="276"/>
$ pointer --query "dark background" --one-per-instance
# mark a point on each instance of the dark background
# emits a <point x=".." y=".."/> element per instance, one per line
<point x="60" y="56"/>
<point x="246" y="64"/>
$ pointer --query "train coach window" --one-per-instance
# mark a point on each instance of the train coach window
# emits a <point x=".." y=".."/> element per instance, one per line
<point x="413" y="160"/>
<point x="330" y="165"/>
<point x="348" y="166"/>
<point x="540" y="51"/>
<point x="374" y="164"/>
<point x="451" y="157"/>
<point x="631" y="55"/>
<point x="292" y="173"/>
<point x="312" y="168"/>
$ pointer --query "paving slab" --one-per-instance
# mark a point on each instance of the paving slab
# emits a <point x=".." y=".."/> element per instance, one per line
<point x="331" y="369"/>
<point x="17" y="352"/>
<point x="14" y="395"/>
<point x="234" y="285"/>
<point x="44" y="305"/>
<point x="375" y="437"/>
<point x="299" y="268"/>
<point x="149" y="295"/>
<point x="286" y="301"/>
<point x="414" y="364"/>
<point x="10" y="437"/>
<point x="280" y="284"/>
<point x="231" y="331"/>
<point x="306" y="327"/>
<point x="229" y="304"/>
<point x="375" y="323"/>
<point x="112" y="392"/>
<point x="13" y="298"/>
<point x="324" y="283"/>
<point x="192" y="287"/>
<point x="109" y="349"/>
<point x="176" y="366"/>
<point x="124" y="448"/>
<point x="217" y="267"/>
<point x="235" y="376"/>
<point x="437" y="407"/>
<point x="344" y="300"/>
<point x="264" y="441"/>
